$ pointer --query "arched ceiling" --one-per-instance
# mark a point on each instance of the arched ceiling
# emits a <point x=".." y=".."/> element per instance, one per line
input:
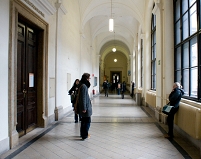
<point x="128" y="15"/>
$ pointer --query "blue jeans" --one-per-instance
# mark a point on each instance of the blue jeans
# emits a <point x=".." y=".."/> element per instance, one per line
<point x="84" y="128"/>
<point x="118" y="91"/>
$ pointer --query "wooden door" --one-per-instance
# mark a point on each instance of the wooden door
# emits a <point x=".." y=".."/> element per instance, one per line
<point x="26" y="79"/>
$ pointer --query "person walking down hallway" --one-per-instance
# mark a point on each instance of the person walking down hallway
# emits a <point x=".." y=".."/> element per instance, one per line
<point x="123" y="89"/>
<point x="73" y="92"/>
<point x="85" y="107"/>
<point x="174" y="98"/>
<point x="118" y="88"/>
<point x="106" y="87"/>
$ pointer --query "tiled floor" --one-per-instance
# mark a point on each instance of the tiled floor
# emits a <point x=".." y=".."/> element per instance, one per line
<point x="119" y="130"/>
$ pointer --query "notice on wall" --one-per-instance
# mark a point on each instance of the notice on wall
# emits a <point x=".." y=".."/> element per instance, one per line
<point x="31" y="79"/>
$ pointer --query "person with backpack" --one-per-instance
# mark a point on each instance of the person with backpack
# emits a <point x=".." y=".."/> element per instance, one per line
<point x="73" y="93"/>
<point x="105" y="87"/>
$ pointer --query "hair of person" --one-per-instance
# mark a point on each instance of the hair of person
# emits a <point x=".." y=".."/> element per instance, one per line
<point x="76" y="81"/>
<point x="85" y="76"/>
<point x="178" y="84"/>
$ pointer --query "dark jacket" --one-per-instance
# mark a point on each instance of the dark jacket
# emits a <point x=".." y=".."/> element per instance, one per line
<point x="75" y="92"/>
<point x="123" y="87"/>
<point x="84" y="101"/>
<point x="175" y="97"/>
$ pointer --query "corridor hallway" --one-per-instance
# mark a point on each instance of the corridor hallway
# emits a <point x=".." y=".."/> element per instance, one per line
<point x="119" y="130"/>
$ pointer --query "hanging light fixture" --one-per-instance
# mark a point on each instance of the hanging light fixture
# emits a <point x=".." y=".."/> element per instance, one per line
<point x="114" y="49"/>
<point x="111" y="21"/>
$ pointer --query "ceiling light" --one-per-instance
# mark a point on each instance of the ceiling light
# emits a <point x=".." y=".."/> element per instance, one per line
<point x="111" y="25"/>
<point x="111" y="21"/>
<point x="115" y="60"/>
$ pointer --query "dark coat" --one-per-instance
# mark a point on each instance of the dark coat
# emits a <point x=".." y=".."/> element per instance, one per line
<point x="75" y="92"/>
<point x="84" y="102"/>
<point x="175" y="97"/>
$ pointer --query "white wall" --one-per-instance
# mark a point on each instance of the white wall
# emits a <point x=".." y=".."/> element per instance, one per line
<point x="4" y="32"/>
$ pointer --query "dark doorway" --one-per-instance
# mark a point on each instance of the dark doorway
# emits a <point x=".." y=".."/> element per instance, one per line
<point x="26" y="78"/>
<point x="115" y="78"/>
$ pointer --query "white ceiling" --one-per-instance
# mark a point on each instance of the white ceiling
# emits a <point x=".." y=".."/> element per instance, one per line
<point x="128" y="15"/>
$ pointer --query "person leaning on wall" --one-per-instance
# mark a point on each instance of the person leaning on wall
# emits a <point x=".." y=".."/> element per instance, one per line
<point x="85" y="107"/>
<point x="174" y="98"/>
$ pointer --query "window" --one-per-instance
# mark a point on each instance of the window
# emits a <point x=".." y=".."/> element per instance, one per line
<point x="187" y="44"/>
<point x="153" y="52"/>
<point x="141" y="63"/>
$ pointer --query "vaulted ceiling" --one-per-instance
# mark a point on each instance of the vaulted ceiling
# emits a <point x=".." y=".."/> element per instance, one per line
<point x="128" y="15"/>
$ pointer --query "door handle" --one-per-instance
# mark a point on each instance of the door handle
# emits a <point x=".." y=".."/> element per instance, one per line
<point x="24" y="91"/>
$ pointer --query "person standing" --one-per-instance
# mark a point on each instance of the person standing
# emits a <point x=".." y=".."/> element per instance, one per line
<point x="132" y="88"/>
<point x="118" y="88"/>
<point x="85" y="107"/>
<point x="123" y="88"/>
<point x="106" y="87"/>
<point x="174" y="98"/>
<point x="73" y="92"/>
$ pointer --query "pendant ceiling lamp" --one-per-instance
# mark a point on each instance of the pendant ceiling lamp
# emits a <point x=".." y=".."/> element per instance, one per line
<point x="111" y="21"/>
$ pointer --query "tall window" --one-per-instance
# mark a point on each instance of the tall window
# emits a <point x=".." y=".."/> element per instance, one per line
<point x="141" y="63"/>
<point x="153" y="52"/>
<point x="187" y="44"/>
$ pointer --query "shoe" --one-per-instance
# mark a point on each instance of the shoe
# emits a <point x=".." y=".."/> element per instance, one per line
<point x="167" y="136"/>
<point x="76" y="121"/>
<point x="88" y="137"/>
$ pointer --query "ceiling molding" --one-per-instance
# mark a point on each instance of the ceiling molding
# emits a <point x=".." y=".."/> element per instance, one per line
<point x="47" y="6"/>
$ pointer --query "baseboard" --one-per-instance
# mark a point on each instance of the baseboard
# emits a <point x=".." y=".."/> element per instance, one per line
<point x="4" y="145"/>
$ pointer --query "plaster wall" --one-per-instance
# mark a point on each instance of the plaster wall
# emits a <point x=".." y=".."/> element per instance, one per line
<point x="4" y="51"/>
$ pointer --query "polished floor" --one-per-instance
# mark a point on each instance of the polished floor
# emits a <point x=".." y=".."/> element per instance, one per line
<point x="120" y="129"/>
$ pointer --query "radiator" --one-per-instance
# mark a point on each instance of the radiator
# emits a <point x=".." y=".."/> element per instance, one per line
<point x="188" y="118"/>
<point x="151" y="99"/>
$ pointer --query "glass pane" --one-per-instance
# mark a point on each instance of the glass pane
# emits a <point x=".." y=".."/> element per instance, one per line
<point x="191" y="2"/>
<point x="178" y="76"/>
<point x="185" y="26"/>
<point x="153" y="21"/>
<point x="177" y="16"/>
<point x="186" y="55"/>
<point x="154" y="53"/>
<point x="186" y="82"/>
<point x="154" y="82"/>
<point x="194" y="82"/>
<point x="154" y="37"/>
<point x="177" y="32"/>
<point x="193" y="20"/>
<point x="193" y="52"/>
<point x="184" y="6"/>
<point x="178" y="58"/>
<point x="153" y="68"/>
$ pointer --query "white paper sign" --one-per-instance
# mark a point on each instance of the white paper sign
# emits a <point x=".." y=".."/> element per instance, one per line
<point x="31" y="80"/>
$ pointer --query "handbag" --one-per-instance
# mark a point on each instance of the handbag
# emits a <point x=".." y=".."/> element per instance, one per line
<point x="167" y="109"/>
<point x="72" y="97"/>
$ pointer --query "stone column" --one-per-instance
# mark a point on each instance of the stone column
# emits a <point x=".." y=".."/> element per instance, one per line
<point x="60" y="11"/>
<point x="159" y="56"/>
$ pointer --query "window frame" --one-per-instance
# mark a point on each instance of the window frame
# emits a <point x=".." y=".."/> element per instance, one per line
<point x="153" y="52"/>
<point x="183" y="63"/>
